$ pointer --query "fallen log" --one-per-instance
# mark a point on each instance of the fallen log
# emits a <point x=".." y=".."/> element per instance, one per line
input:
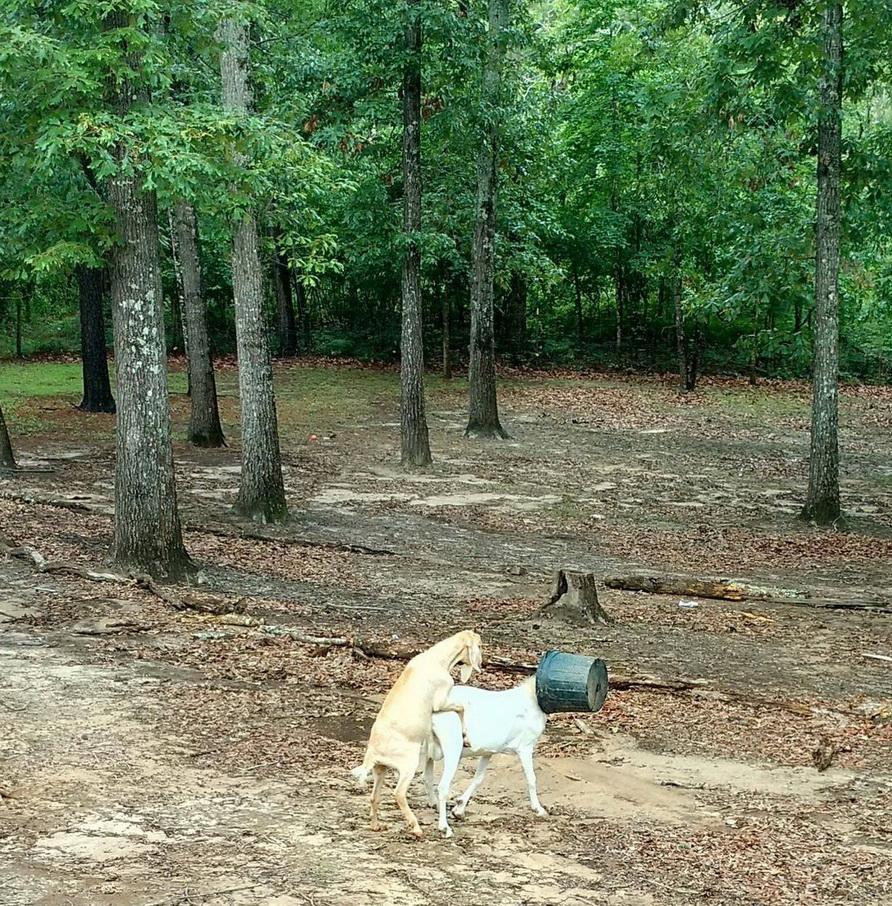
<point x="404" y="652"/>
<point x="347" y="547"/>
<point x="734" y="590"/>
<point x="721" y="589"/>
<point x="78" y="505"/>
<point x="682" y="685"/>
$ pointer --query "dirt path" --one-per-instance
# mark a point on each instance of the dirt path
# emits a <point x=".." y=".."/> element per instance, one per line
<point x="112" y="807"/>
<point x="159" y="758"/>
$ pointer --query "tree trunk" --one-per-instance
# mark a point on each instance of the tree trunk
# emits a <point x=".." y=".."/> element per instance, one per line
<point x="284" y="304"/>
<point x="303" y="312"/>
<point x="262" y="489"/>
<point x="204" y="421"/>
<point x="18" y="326"/>
<point x="7" y="459"/>
<point x="822" y="503"/>
<point x="574" y="598"/>
<point x="580" y="324"/>
<point x="620" y="299"/>
<point x="94" y="356"/>
<point x="797" y="315"/>
<point x="483" y="416"/>
<point x="680" y="339"/>
<point x="147" y="527"/>
<point x="176" y="258"/>
<point x="694" y="351"/>
<point x="147" y="533"/>
<point x="447" y="351"/>
<point x="414" y="439"/>
<point x="177" y="333"/>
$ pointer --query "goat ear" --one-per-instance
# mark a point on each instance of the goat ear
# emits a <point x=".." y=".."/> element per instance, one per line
<point x="473" y="661"/>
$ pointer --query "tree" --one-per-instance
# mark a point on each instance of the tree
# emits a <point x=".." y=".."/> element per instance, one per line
<point x="91" y="282"/>
<point x="204" y="420"/>
<point x="822" y="502"/>
<point x="287" y="323"/>
<point x="415" y="441"/>
<point x="687" y="347"/>
<point x="262" y="490"/>
<point x="483" y="415"/>
<point x="7" y="459"/>
<point x="147" y="534"/>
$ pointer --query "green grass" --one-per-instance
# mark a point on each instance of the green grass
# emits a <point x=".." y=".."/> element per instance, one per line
<point x="757" y="403"/>
<point x="31" y="379"/>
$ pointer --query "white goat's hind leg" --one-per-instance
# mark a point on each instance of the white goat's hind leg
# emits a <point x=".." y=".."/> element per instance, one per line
<point x="474" y="785"/>
<point x="451" y="758"/>
<point x="429" y="782"/>
<point x="526" y="762"/>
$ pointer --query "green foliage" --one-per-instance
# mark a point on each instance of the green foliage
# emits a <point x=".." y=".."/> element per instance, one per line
<point x="643" y="144"/>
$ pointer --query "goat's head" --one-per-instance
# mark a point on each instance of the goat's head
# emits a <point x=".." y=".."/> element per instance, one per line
<point x="471" y="656"/>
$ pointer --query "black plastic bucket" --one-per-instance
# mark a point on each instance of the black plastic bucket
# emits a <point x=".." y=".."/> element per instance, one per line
<point x="570" y="682"/>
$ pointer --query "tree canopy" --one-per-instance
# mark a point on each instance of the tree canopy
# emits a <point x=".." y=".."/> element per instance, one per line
<point x="647" y="147"/>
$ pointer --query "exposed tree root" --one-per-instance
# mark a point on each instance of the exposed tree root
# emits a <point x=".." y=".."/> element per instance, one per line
<point x="190" y="601"/>
<point x="80" y="505"/>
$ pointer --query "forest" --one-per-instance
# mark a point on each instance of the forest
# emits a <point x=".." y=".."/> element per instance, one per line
<point x="330" y="330"/>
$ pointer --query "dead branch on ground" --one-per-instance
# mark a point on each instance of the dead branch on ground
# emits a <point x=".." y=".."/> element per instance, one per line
<point x="732" y="590"/>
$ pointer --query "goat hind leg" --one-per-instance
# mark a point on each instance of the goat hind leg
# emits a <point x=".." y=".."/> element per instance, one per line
<point x="406" y="773"/>
<point x="378" y="771"/>
<point x="474" y="785"/>
<point x="429" y="782"/>
<point x="451" y="758"/>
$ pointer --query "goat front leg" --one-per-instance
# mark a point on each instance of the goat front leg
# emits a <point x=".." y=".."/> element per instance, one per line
<point x="526" y="762"/>
<point x="460" y="711"/>
<point x="451" y="758"/>
<point x="474" y="785"/>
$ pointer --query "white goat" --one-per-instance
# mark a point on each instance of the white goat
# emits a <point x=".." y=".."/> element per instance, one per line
<point x="494" y="722"/>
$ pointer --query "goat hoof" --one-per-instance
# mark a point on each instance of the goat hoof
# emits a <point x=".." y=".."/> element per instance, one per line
<point x="542" y="813"/>
<point x="447" y="832"/>
<point x="458" y="813"/>
<point x="416" y="832"/>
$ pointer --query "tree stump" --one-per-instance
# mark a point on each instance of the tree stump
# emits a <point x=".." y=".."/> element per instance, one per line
<point x="574" y="598"/>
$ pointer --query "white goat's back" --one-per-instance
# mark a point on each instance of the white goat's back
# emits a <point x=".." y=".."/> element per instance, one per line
<point x="494" y="721"/>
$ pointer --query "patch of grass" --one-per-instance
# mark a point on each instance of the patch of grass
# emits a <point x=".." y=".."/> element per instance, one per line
<point x="30" y="379"/>
<point x="570" y="509"/>
<point x="756" y="403"/>
<point x="325" y="398"/>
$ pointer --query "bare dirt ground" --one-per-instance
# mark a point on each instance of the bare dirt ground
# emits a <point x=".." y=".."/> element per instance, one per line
<point x="153" y="757"/>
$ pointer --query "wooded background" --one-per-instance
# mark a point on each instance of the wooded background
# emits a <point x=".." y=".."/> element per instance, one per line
<point x="649" y="150"/>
